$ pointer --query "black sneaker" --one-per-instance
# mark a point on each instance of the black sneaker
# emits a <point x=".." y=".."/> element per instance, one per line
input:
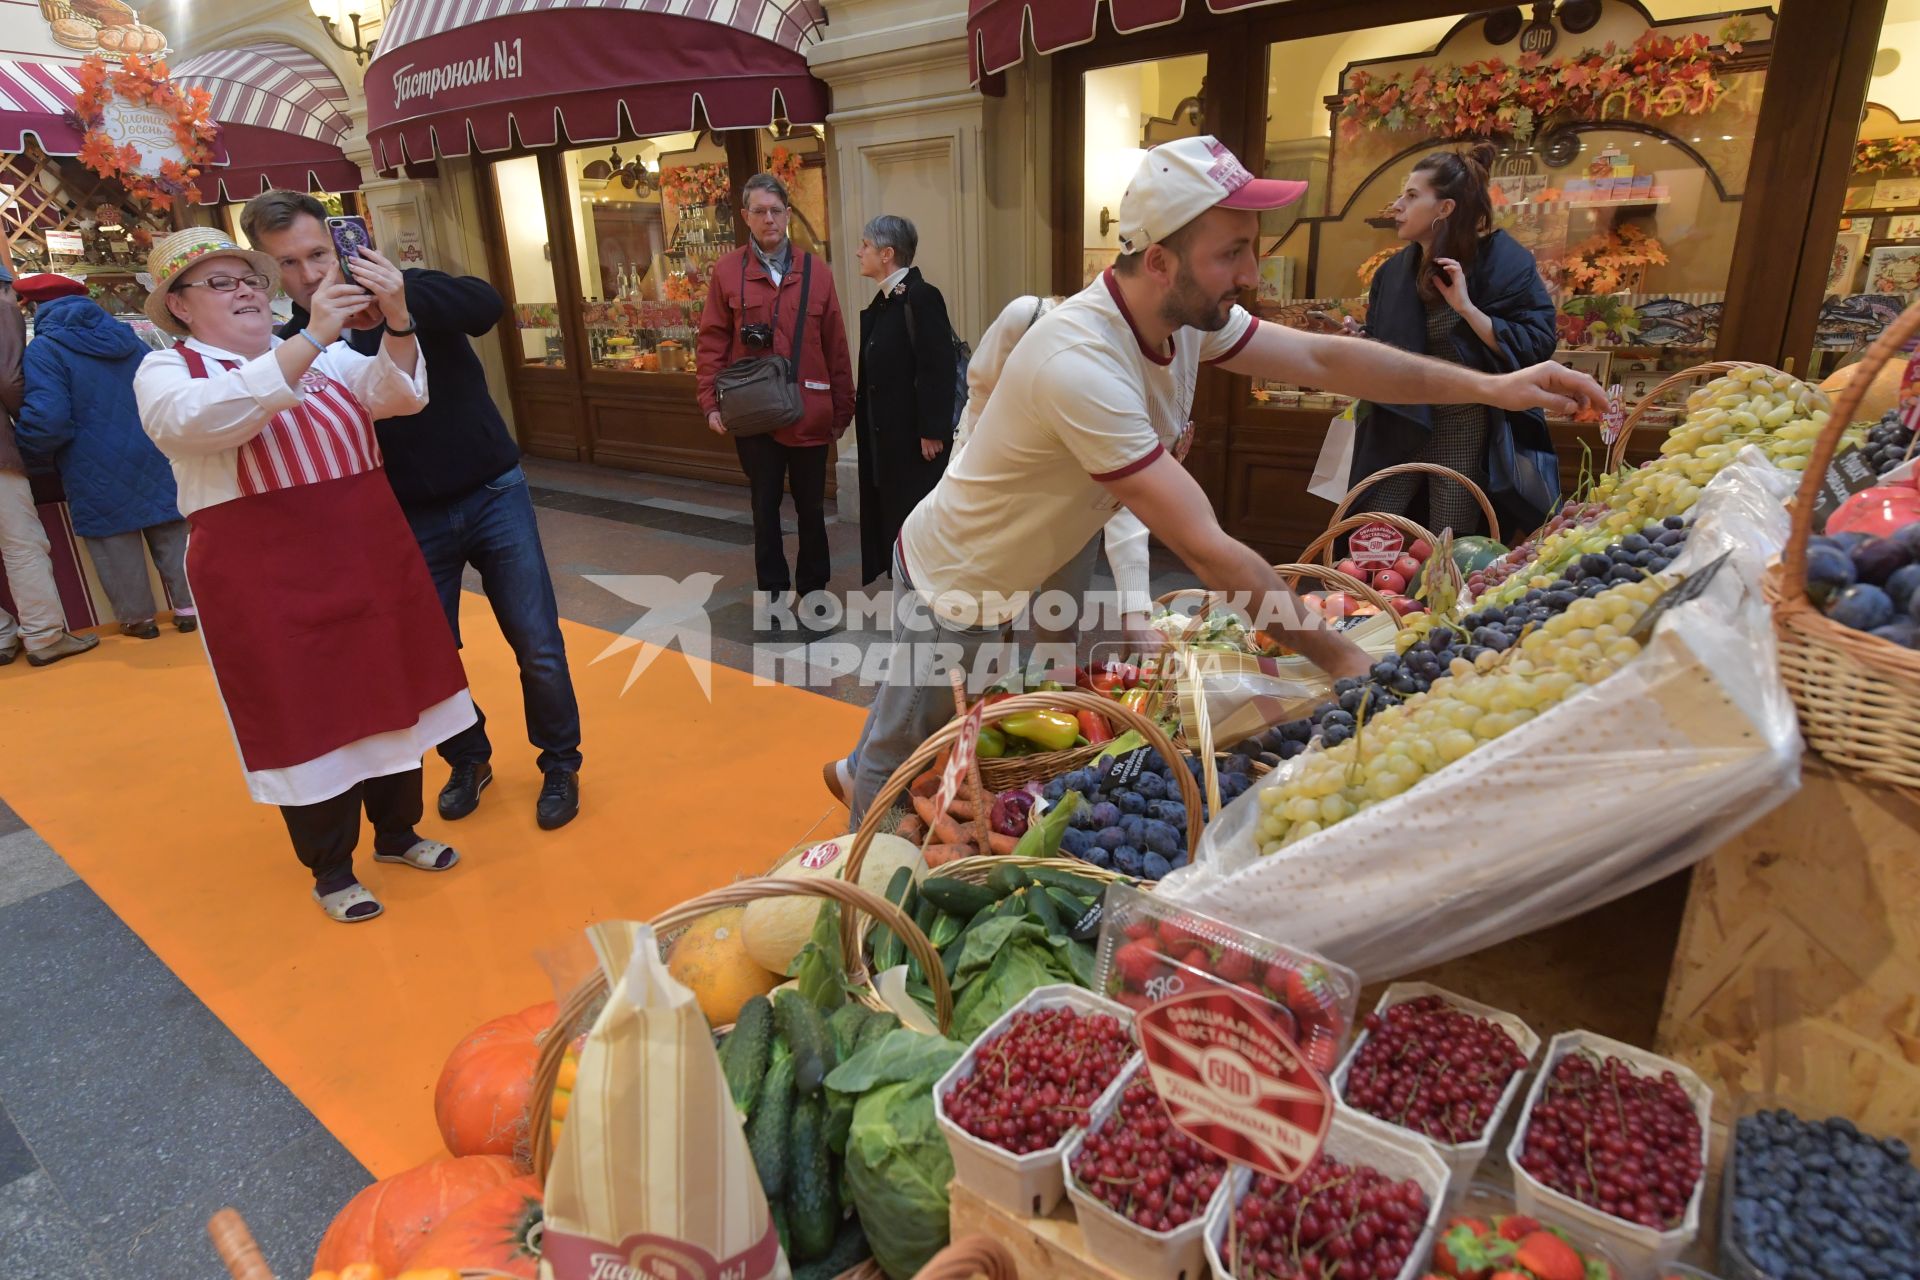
<point x="461" y="795"/>
<point x="559" y="800"/>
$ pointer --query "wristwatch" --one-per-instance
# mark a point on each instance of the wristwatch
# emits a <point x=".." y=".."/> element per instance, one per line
<point x="407" y="332"/>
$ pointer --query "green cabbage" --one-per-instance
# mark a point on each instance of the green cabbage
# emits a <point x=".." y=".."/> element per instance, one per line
<point x="898" y="1165"/>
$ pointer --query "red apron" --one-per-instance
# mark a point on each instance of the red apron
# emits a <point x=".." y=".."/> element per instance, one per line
<point x="320" y="619"/>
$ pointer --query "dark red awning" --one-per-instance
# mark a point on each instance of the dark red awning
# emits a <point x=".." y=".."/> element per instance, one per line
<point x="37" y="98"/>
<point x="996" y="28"/>
<point x="283" y="117"/>
<point x="453" y="75"/>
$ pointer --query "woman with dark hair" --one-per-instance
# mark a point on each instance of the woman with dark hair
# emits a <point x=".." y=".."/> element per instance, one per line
<point x="1463" y="292"/>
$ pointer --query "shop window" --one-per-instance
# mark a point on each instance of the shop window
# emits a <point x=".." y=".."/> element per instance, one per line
<point x="1875" y="268"/>
<point x="1632" y="216"/>
<point x="797" y="156"/>
<point x="650" y="218"/>
<point x="529" y="254"/>
<point x="1130" y="108"/>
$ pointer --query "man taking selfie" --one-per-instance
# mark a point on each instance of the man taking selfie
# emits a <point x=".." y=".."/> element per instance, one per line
<point x="456" y="471"/>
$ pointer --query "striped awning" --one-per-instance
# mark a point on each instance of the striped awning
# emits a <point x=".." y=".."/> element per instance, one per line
<point x="283" y="119"/>
<point x="996" y="29"/>
<point x="453" y="75"/>
<point x="37" y="98"/>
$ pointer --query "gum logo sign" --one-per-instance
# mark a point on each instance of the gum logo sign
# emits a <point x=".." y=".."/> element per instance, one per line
<point x="1375" y="546"/>
<point x="822" y="854"/>
<point x="1233" y="1080"/>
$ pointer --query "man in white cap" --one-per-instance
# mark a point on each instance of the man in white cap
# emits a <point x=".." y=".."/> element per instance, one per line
<point x="1090" y="413"/>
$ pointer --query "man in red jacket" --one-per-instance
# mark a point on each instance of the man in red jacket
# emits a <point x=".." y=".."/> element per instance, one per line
<point x="753" y="306"/>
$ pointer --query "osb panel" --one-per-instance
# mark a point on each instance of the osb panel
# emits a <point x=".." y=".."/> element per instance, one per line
<point x="1798" y="969"/>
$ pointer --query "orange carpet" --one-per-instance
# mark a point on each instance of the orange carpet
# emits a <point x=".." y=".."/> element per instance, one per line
<point x="122" y="761"/>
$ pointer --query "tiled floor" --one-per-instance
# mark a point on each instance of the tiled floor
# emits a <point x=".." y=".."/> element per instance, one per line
<point x="128" y="1113"/>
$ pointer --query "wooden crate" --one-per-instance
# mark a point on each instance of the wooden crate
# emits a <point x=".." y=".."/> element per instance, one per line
<point x="1798" y="968"/>
<point x="1051" y="1246"/>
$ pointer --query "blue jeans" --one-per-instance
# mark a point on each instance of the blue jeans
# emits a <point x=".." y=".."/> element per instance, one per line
<point x="493" y="530"/>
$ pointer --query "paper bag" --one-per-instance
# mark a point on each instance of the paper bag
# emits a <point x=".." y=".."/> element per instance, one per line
<point x="1330" y="473"/>
<point x="652" y="1179"/>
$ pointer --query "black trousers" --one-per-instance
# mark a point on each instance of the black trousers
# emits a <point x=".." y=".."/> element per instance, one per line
<point x="325" y="834"/>
<point x="771" y="466"/>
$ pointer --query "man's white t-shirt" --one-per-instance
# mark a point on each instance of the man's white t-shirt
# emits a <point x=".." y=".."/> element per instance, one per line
<point x="1082" y="399"/>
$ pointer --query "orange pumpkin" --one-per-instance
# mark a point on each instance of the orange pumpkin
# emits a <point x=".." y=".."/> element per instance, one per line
<point x="494" y="1231"/>
<point x="385" y="1221"/>
<point x="480" y="1102"/>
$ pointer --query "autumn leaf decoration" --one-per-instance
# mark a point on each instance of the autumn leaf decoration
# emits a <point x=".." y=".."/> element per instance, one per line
<point x="1659" y="76"/>
<point x="146" y="83"/>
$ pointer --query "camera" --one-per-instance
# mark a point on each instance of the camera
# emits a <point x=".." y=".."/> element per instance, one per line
<point x="758" y="336"/>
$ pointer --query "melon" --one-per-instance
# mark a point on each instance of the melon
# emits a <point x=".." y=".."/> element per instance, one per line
<point x="775" y="929"/>
<point x="711" y="961"/>
<point x="1882" y="394"/>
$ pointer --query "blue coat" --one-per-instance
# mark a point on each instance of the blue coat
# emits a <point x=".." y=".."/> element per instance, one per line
<point x="1523" y="472"/>
<point x="80" y="413"/>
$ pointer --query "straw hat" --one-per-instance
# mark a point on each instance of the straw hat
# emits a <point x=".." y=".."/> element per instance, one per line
<point x="182" y="249"/>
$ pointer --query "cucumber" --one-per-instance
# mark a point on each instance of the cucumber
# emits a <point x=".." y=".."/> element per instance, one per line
<point x="813" y="1203"/>
<point x="843" y="1024"/>
<point x="1016" y="905"/>
<point x="1007" y="878"/>
<point x="839" y="1121"/>
<point x="886" y="944"/>
<point x="945" y="929"/>
<point x="767" y="1130"/>
<point x="1042" y="911"/>
<point x="850" y="1249"/>
<point x="744" y="1053"/>
<point x="780" y="1229"/>
<point x="957" y="897"/>
<point x="923" y="919"/>
<point x="805" y="1032"/>
<point x="875" y="1029"/>
<point x="1079" y="886"/>
<point x="1081" y="918"/>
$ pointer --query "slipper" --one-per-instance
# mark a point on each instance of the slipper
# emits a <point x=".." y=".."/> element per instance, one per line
<point x="340" y="903"/>
<point x="839" y="780"/>
<point x="424" y="855"/>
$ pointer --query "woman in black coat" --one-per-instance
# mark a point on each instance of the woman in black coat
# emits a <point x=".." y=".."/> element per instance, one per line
<point x="1462" y="292"/>
<point x="903" y="416"/>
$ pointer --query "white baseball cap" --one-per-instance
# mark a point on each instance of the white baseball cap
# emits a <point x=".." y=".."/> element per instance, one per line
<point x="1178" y="181"/>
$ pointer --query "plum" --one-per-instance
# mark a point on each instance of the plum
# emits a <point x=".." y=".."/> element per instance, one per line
<point x="1902" y="631"/>
<point x="1902" y="585"/>
<point x="1110" y="838"/>
<point x="1829" y="571"/>
<point x="1862" y="606"/>
<point x="1877" y="560"/>
<point x="1106" y="814"/>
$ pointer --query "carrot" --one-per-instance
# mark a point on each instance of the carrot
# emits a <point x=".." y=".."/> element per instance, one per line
<point x="939" y="855"/>
<point x="945" y="830"/>
<point x="962" y="809"/>
<point x="1003" y="844"/>
<point x="927" y="784"/>
<point x="911" y="828"/>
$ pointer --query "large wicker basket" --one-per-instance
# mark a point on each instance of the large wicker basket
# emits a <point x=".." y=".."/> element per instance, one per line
<point x="1419" y="468"/>
<point x="1858" y="695"/>
<point x="1684" y="380"/>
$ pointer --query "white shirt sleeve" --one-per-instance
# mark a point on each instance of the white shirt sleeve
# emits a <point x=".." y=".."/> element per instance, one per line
<point x="1128" y="556"/>
<point x="376" y="381"/>
<point x="989" y="358"/>
<point x="1097" y="410"/>
<point x="1225" y="342"/>
<point x="189" y="417"/>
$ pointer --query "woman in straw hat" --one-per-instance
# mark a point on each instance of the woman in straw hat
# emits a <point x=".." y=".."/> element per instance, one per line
<point x="332" y="656"/>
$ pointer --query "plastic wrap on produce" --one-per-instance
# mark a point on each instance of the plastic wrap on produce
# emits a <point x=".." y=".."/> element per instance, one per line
<point x="1618" y="786"/>
<point x="1247" y="695"/>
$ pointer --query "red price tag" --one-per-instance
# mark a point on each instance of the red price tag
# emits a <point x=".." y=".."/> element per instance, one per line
<point x="1375" y="546"/>
<point x="1233" y="1079"/>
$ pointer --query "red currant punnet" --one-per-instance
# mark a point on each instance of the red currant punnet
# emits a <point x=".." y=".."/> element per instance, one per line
<point x="1433" y="1068"/>
<point x="1335" y="1222"/>
<point x="1140" y="1166"/>
<point x="1038" y="1079"/>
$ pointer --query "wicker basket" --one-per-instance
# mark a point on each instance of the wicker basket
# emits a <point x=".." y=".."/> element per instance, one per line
<point x="1323" y="545"/>
<point x="976" y="870"/>
<point x="580" y="1008"/>
<point x="1858" y="695"/>
<point x="1419" y="468"/>
<point x="1683" y="380"/>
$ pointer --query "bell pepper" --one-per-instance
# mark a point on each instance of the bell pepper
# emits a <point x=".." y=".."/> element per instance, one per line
<point x="1136" y="700"/>
<point x="1049" y="730"/>
<point x="992" y="744"/>
<point x="1094" y="727"/>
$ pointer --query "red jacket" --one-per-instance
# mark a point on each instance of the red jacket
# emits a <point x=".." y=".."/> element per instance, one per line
<point x="826" y="369"/>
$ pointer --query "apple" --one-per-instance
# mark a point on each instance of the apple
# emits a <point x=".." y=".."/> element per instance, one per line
<point x="1352" y="569"/>
<point x="1404" y="605"/>
<point x="1338" y="604"/>
<point x="1420" y="550"/>
<point x="1390" y="582"/>
<point x="1407" y="567"/>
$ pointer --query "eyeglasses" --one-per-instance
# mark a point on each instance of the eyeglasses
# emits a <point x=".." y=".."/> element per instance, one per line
<point x="227" y="284"/>
<point x="767" y="211"/>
